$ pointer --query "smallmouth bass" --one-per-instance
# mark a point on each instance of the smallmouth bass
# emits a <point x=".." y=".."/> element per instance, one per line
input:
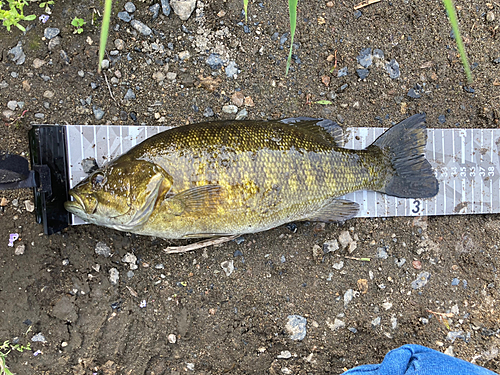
<point x="236" y="177"/>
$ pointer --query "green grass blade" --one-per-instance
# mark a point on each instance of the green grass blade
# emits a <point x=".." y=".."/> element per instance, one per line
<point x="104" y="31"/>
<point x="292" y="7"/>
<point x="245" y="8"/>
<point x="452" y="15"/>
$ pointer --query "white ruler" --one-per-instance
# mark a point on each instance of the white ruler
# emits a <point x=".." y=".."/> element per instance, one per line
<point x="466" y="162"/>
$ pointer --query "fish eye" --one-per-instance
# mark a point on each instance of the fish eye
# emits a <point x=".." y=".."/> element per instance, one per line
<point x="98" y="180"/>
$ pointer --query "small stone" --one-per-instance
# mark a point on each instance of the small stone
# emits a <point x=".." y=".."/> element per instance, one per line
<point x="229" y="108"/>
<point x="3" y="85"/>
<point x="208" y="112"/>
<point x="449" y="351"/>
<point x="376" y="322"/>
<point x="51" y="32"/>
<point x="158" y="76"/>
<point x="20" y="249"/>
<point x="330" y="246"/>
<point x="183" y="8"/>
<point x="114" y="276"/>
<point x="296" y="327"/>
<point x="12" y="105"/>
<point x="171" y="76"/>
<point x="38" y="63"/>
<point x="165" y="7"/>
<point x="387" y="305"/>
<point x="98" y="112"/>
<point x="214" y="61"/>
<point x="48" y="94"/>
<point x="17" y="51"/>
<point x="248" y="102"/>
<point x="129" y="95"/>
<point x="381" y="253"/>
<point x="421" y="280"/>
<point x="142" y="28"/>
<point x="228" y="267"/>
<point x="184" y="55"/>
<point x="415" y="94"/>
<point x="455" y="310"/>
<point x="455" y="282"/>
<point x="131" y="259"/>
<point x="231" y="69"/>
<point x="119" y="44"/>
<point x="105" y="64"/>
<point x="172" y="338"/>
<point x="339" y="265"/>
<point x="285" y="354"/>
<point x="129" y="7"/>
<point x="124" y="16"/>
<point x="378" y="53"/>
<point x="155" y="9"/>
<point x="365" y="57"/>
<point x="238" y="98"/>
<point x="400" y="262"/>
<point x="442" y="119"/>
<point x="362" y="285"/>
<point x="53" y="43"/>
<point x="490" y="16"/>
<point x="7" y="114"/>
<point x="30" y="207"/>
<point x="39" y="338"/>
<point x="337" y="324"/>
<point x="362" y="73"/>
<point x="348" y="296"/>
<point x="242" y="114"/>
<point x="317" y="252"/>
<point x="417" y="264"/>
<point x="345" y="239"/>
<point x="102" y="249"/>
<point x="342" y="72"/>
<point x="392" y="67"/>
<point x="39" y="116"/>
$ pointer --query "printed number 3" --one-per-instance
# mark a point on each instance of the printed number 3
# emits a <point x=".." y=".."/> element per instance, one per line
<point x="416" y="206"/>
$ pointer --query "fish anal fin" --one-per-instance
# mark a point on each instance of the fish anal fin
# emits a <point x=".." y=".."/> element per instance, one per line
<point x="336" y="210"/>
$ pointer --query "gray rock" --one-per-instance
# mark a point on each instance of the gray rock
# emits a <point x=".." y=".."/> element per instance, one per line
<point x="365" y="57"/>
<point x="114" y="276"/>
<point x="51" y="32"/>
<point x="124" y="16"/>
<point x="242" y="114"/>
<point x="98" y="112"/>
<point x="348" y="296"/>
<point x="155" y="10"/>
<point x="119" y="44"/>
<point x="53" y="43"/>
<point x="296" y="327"/>
<point x="229" y="108"/>
<point x="12" y="105"/>
<point x="3" y="85"/>
<point x="415" y="94"/>
<point x="129" y="95"/>
<point x="214" y="61"/>
<point x="339" y="265"/>
<point x="330" y="246"/>
<point x="231" y="69"/>
<point x="362" y="73"/>
<point x="392" y="67"/>
<point x="129" y="7"/>
<point x="38" y="338"/>
<point x="208" y="112"/>
<point x="183" y="8"/>
<point x="17" y="51"/>
<point x="102" y="249"/>
<point x="142" y="28"/>
<point x="421" y="280"/>
<point x="381" y="253"/>
<point x="345" y="239"/>
<point x="7" y="114"/>
<point x="400" y="262"/>
<point x="165" y="7"/>
<point x="376" y="321"/>
<point x="39" y="116"/>
<point x="228" y="267"/>
<point x="65" y="310"/>
<point x="105" y="64"/>
<point x="342" y="72"/>
<point x="89" y="165"/>
<point x="378" y="53"/>
<point x="337" y="323"/>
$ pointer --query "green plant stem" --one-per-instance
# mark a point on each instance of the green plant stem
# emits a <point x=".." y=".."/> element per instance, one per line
<point x="452" y="15"/>
<point x="245" y="8"/>
<point x="104" y="32"/>
<point x="292" y="7"/>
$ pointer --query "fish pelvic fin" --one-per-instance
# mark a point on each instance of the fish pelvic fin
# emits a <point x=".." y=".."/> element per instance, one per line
<point x="403" y="148"/>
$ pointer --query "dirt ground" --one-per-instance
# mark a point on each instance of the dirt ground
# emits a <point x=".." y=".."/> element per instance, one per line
<point x="176" y="314"/>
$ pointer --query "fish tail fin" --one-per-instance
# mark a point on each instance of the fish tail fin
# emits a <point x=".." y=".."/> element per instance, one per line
<point x="403" y="148"/>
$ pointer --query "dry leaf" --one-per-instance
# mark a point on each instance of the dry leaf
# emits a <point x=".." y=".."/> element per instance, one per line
<point x="325" y="80"/>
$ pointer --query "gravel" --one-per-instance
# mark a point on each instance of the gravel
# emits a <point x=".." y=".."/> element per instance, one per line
<point x="296" y="327"/>
<point x="141" y="27"/>
<point x="51" y="32"/>
<point x="129" y="7"/>
<point x="124" y="16"/>
<point x="129" y="95"/>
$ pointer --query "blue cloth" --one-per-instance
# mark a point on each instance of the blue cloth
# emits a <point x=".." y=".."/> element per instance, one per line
<point x="419" y="360"/>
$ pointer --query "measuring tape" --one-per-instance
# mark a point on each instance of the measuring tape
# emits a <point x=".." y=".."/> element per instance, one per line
<point x="466" y="162"/>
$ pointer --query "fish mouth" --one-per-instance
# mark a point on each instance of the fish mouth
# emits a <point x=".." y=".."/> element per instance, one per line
<point x="77" y="205"/>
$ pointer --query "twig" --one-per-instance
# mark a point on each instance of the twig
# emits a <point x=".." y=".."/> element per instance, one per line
<point x="197" y="245"/>
<point x="360" y="259"/>
<point x="365" y="3"/>
<point x="16" y="119"/>
<point x="446" y="315"/>
<point x="109" y="87"/>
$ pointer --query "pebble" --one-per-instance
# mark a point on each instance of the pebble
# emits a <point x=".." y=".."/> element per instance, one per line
<point x="362" y="73"/>
<point x="172" y="338"/>
<point x="165" y="7"/>
<point x="114" y="276"/>
<point x="242" y="114"/>
<point x="158" y="76"/>
<point x="183" y="8"/>
<point x="342" y="72"/>
<point x="392" y="67"/>
<point x="378" y="53"/>
<point x="248" y="102"/>
<point x="38" y="63"/>
<point x="131" y="259"/>
<point x="337" y="324"/>
<point x="7" y="114"/>
<point x="142" y="28"/>
<point x="155" y="9"/>
<point x="339" y="265"/>
<point x="238" y="98"/>
<point x="102" y="249"/>
<point x="296" y="327"/>
<point x="228" y="267"/>
<point x="421" y="280"/>
<point x="124" y="16"/>
<point x="12" y="105"/>
<point x="376" y="322"/>
<point x="98" y="112"/>
<point x="184" y="55"/>
<point x="229" y="108"/>
<point x="415" y="94"/>
<point x="214" y="61"/>
<point x="129" y="7"/>
<point x="208" y="112"/>
<point x="357" y="14"/>
<point x="17" y="51"/>
<point x="442" y="119"/>
<point x="171" y="76"/>
<point x="119" y="44"/>
<point x="129" y="95"/>
<point x="29" y="206"/>
<point x="490" y="16"/>
<point x="51" y="32"/>
<point x="285" y="354"/>
<point x="348" y="296"/>
<point x="48" y="94"/>
<point x="53" y="43"/>
<point x="38" y="338"/>
<point x="449" y="351"/>
<point x="387" y="305"/>
<point x="455" y="282"/>
<point x="105" y="64"/>
<point x="231" y="69"/>
<point x="400" y="262"/>
<point x="417" y="264"/>
<point x="345" y="239"/>
<point x="39" y="116"/>
<point x="330" y="246"/>
<point x="365" y="57"/>
<point x="381" y="253"/>
<point x="20" y="249"/>
<point x="4" y="85"/>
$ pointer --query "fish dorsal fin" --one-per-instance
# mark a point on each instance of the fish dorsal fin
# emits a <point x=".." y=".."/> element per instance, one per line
<point x="198" y="199"/>
<point x="336" y="210"/>
<point x="325" y="129"/>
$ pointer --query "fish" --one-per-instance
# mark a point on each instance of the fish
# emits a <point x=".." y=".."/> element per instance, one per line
<point x="227" y="178"/>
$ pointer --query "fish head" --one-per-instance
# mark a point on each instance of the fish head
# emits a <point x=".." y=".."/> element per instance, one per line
<point x="121" y="195"/>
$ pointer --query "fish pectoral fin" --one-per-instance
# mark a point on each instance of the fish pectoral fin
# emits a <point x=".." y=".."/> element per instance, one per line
<point x="150" y="197"/>
<point x="201" y="198"/>
<point x="324" y="129"/>
<point x="337" y="210"/>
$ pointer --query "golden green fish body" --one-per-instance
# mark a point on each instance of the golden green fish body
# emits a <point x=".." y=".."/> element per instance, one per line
<point x="232" y="177"/>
